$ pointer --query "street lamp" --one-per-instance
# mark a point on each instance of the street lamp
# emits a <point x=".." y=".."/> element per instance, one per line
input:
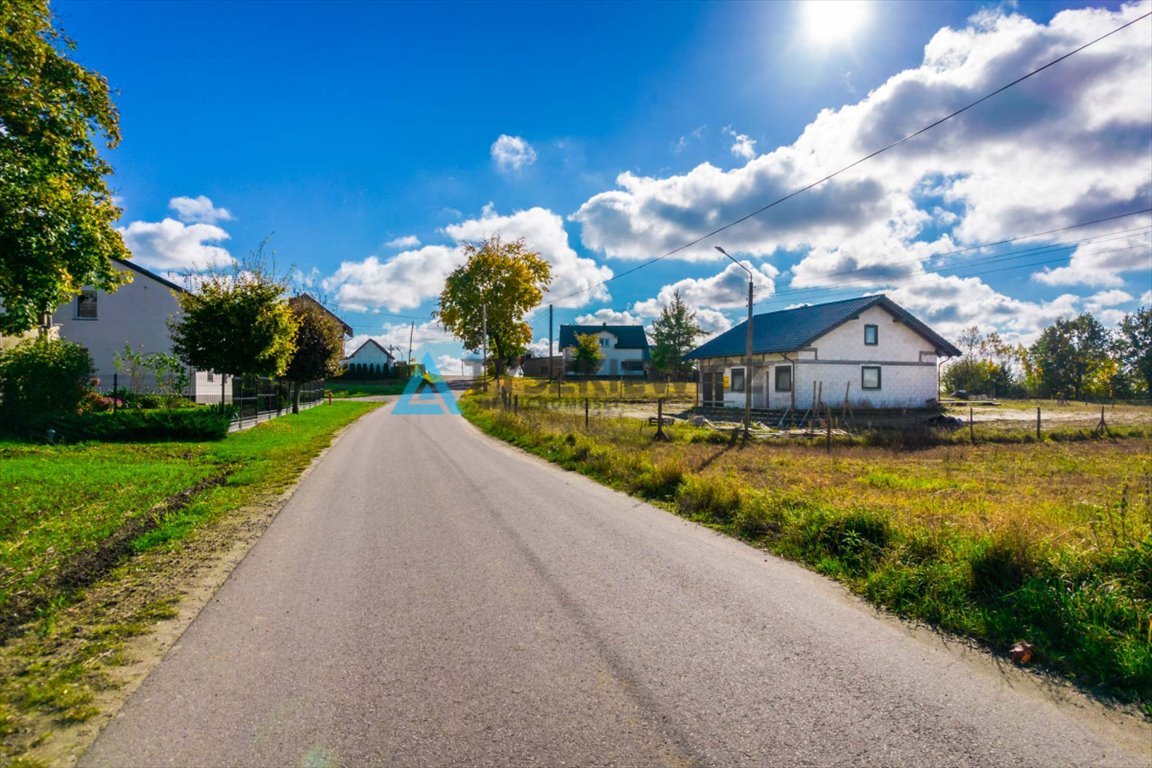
<point x="747" y="350"/>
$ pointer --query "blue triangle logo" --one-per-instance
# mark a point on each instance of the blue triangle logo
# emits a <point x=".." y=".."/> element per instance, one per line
<point x="426" y="399"/>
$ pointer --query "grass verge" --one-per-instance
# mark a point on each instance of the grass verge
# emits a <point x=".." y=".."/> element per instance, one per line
<point x="1049" y="543"/>
<point x="345" y="389"/>
<point x="70" y="515"/>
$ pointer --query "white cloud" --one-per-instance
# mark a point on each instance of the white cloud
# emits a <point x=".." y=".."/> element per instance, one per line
<point x="1067" y="146"/>
<point x="198" y="210"/>
<point x="512" y="154"/>
<point x="949" y="304"/>
<point x="1146" y="299"/>
<point x="407" y="241"/>
<point x="405" y="281"/>
<point x="1105" y="299"/>
<point x="608" y="316"/>
<point x="743" y="146"/>
<point x="1102" y="262"/>
<point x="173" y="246"/>
<point x="726" y="290"/>
<point x="448" y="365"/>
<point x="543" y="231"/>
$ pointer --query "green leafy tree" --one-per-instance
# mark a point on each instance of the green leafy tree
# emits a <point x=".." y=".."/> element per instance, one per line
<point x="986" y="367"/>
<point x="674" y="335"/>
<point x="319" y="347"/>
<point x="586" y="355"/>
<point x="1069" y="354"/>
<point x="56" y="213"/>
<point x="501" y="281"/>
<point x="1133" y="346"/>
<point x="236" y="324"/>
<point x="43" y="377"/>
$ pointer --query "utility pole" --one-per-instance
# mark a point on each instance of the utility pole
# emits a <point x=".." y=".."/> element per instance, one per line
<point x="411" y="331"/>
<point x="484" y="344"/>
<point x="747" y="351"/>
<point x="549" y="342"/>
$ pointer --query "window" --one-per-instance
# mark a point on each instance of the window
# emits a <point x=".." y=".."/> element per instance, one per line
<point x="783" y="378"/>
<point x="737" y="380"/>
<point x="870" y="377"/>
<point x="86" y="304"/>
<point x="211" y="378"/>
<point x="603" y="342"/>
<point x="871" y="335"/>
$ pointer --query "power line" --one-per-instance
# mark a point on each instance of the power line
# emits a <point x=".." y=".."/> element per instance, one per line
<point x="1047" y="248"/>
<point x="857" y="162"/>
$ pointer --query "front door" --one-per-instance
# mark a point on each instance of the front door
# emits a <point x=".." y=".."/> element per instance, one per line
<point x="713" y="395"/>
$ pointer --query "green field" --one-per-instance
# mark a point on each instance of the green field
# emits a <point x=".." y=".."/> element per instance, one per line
<point x="1046" y="542"/>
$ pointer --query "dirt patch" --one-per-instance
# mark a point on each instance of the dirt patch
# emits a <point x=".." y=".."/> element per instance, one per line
<point x="89" y="567"/>
<point x="146" y="603"/>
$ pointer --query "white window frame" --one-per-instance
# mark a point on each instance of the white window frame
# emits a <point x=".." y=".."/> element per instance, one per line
<point x="732" y="380"/>
<point x="864" y="377"/>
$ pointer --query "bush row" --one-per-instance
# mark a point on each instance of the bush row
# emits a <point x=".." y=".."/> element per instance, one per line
<point x="192" y="424"/>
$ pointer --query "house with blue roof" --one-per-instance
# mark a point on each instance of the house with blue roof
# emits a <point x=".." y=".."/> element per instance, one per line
<point x="867" y="351"/>
<point x="625" y="348"/>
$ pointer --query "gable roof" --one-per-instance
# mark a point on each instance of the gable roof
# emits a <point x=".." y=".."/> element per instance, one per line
<point x="792" y="329"/>
<point x="303" y="297"/>
<point x="627" y="336"/>
<point x="146" y="273"/>
<point x="374" y="343"/>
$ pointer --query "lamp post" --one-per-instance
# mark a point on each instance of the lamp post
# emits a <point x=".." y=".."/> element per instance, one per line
<point x="747" y="350"/>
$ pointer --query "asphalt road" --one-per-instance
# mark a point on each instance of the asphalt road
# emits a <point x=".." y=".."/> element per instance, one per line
<point x="430" y="597"/>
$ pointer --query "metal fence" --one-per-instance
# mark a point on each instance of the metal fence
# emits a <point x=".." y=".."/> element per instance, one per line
<point x="258" y="398"/>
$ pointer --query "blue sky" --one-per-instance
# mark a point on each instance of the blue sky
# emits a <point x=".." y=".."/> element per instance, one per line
<point x="369" y="140"/>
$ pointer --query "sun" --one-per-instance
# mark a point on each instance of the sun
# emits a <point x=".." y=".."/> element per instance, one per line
<point x="830" y="22"/>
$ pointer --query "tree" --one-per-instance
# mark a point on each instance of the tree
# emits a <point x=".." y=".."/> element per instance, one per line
<point x="496" y="287"/>
<point x="56" y="213"/>
<point x="319" y="346"/>
<point x="1068" y="355"/>
<point x="1134" y="347"/>
<point x="41" y="377"/>
<point x="586" y="355"/>
<point x="236" y="324"/>
<point x="985" y="367"/>
<point x="674" y="334"/>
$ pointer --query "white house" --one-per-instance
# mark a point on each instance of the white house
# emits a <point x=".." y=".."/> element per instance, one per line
<point x="136" y="314"/>
<point x="625" y="347"/>
<point x="369" y="357"/>
<point x="868" y="351"/>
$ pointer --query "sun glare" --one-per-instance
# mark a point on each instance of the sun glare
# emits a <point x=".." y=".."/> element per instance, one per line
<point x="828" y="22"/>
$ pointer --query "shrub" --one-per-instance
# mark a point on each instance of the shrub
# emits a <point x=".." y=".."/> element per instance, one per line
<point x="663" y="480"/>
<point x="43" y="377"/>
<point x="715" y="499"/>
<point x="138" y="426"/>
